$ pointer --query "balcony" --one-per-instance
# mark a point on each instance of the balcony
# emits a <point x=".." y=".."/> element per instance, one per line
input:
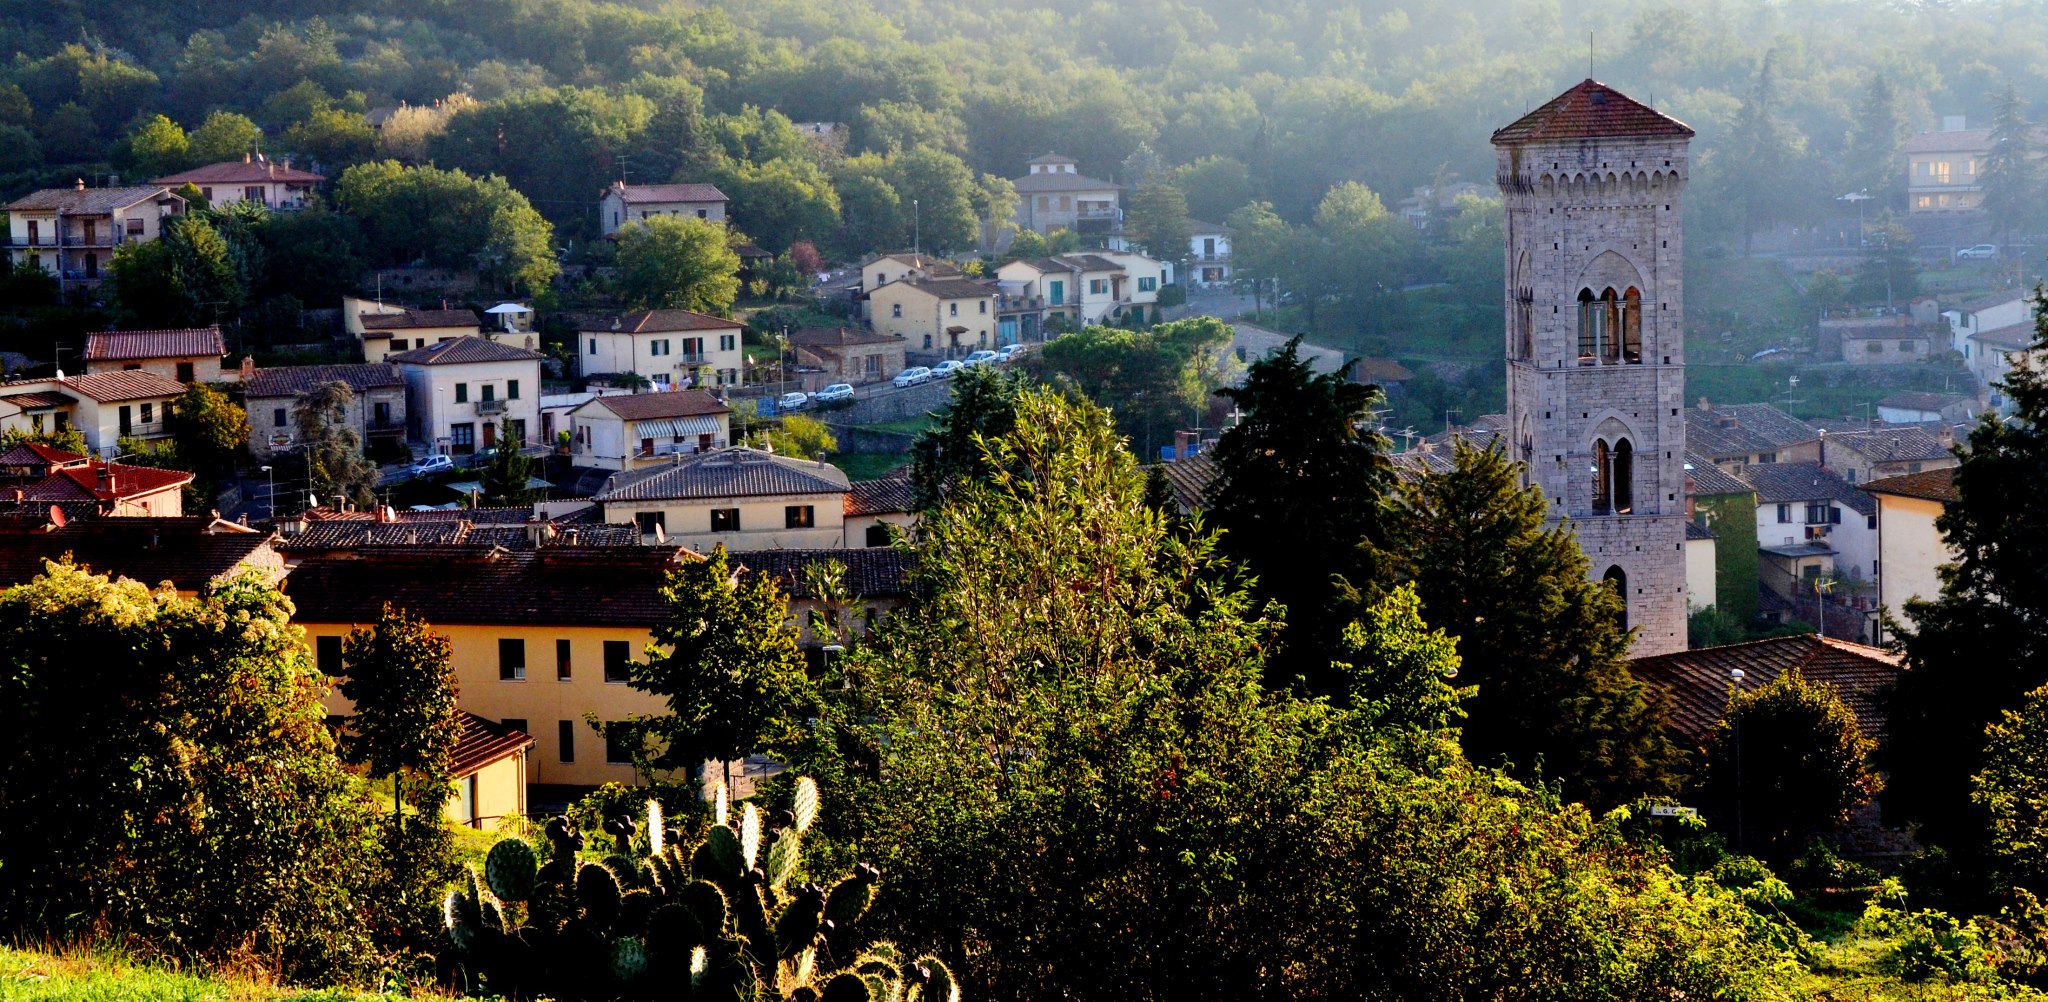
<point x="490" y="407"/>
<point x="692" y="358"/>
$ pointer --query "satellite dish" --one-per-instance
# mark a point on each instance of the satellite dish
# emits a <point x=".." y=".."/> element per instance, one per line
<point x="57" y="516"/>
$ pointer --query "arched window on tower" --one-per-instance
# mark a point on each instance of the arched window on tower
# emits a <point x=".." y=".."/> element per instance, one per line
<point x="1624" y="463"/>
<point x="1603" y="479"/>
<point x="1632" y="327"/>
<point x="1589" y="327"/>
<point x="1610" y="326"/>
<point x="1525" y="323"/>
<point x="1617" y="579"/>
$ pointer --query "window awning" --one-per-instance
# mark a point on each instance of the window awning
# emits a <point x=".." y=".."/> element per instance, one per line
<point x="677" y="427"/>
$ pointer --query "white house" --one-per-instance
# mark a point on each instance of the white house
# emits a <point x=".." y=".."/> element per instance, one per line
<point x="1910" y="546"/>
<point x="624" y="203"/>
<point x="105" y="407"/>
<point x="1053" y="195"/>
<point x="72" y="233"/>
<point x="668" y="347"/>
<point x="631" y="431"/>
<point x="250" y="179"/>
<point x="1813" y="523"/>
<point x="457" y="392"/>
<point x="1983" y="315"/>
<point x="1208" y="253"/>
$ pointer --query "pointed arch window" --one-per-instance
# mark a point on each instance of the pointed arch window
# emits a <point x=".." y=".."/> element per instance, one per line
<point x="1590" y="318"/>
<point x="1632" y="326"/>
<point x="1525" y="323"/>
<point x="1610" y="327"/>
<point x="1603" y="479"/>
<point x="1623" y="490"/>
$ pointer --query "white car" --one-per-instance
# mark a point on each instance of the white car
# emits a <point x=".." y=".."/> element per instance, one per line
<point x="1981" y="252"/>
<point x="433" y="464"/>
<point x="913" y="376"/>
<point x="946" y="369"/>
<point x="792" y="401"/>
<point x="833" y="394"/>
<point x="982" y="358"/>
<point x="1009" y="352"/>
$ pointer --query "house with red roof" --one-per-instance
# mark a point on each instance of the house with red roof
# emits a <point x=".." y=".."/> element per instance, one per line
<point x="624" y="203"/>
<point x="189" y="355"/>
<point x="34" y="476"/>
<point x="250" y="179"/>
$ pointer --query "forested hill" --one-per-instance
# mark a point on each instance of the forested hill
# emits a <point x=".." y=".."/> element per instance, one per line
<point x="1302" y="94"/>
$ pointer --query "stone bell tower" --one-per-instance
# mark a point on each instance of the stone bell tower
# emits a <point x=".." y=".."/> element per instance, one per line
<point x="1595" y="337"/>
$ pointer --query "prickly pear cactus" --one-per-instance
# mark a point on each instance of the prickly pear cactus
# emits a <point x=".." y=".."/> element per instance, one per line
<point x="730" y="917"/>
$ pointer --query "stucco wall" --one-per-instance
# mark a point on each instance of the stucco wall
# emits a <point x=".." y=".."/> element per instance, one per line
<point x="1910" y="551"/>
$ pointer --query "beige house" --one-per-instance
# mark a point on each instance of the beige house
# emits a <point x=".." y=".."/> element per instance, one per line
<point x="668" y="347"/>
<point x="250" y="179"/>
<point x="72" y="233"/>
<point x="188" y="356"/>
<point x="489" y="770"/>
<point x="888" y="268"/>
<point x="386" y="329"/>
<point x="1910" y="549"/>
<point x="631" y="432"/>
<point x="624" y="203"/>
<point x="458" y="392"/>
<point x="949" y="315"/>
<point x="105" y="407"/>
<point x="739" y="498"/>
<point x="1702" y="575"/>
<point x="847" y="356"/>
<point x="1053" y="195"/>
<point x="377" y="412"/>
<point x="879" y="510"/>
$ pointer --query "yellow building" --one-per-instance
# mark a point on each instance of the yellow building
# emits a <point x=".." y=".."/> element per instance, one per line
<point x="1910" y="549"/>
<point x="387" y="329"/>
<point x="952" y="315"/>
<point x="187" y="356"/>
<point x="489" y="768"/>
<point x="739" y="498"/>
<point x="541" y="639"/>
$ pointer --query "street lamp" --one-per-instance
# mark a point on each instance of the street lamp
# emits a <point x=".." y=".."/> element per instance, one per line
<point x="1735" y="677"/>
<point x="270" y="500"/>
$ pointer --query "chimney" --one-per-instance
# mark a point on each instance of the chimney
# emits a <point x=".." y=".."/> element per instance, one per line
<point x="575" y="537"/>
<point x="79" y="184"/>
<point x="1703" y="405"/>
<point x="1183" y="442"/>
<point x="248" y="157"/>
<point x="107" y="478"/>
<point x="1823" y="448"/>
<point x="540" y="532"/>
<point x="385" y="513"/>
<point x="248" y="368"/>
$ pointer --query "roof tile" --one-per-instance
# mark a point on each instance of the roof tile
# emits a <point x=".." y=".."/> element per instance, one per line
<point x="1695" y="683"/>
<point x="456" y="351"/>
<point x="201" y="342"/>
<point x="292" y="380"/>
<point x="726" y="473"/>
<point x="1590" y="109"/>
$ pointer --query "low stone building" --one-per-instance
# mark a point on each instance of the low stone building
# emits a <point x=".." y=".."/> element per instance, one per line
<point x="377" y="412"/>
<point x="844" y="355"/>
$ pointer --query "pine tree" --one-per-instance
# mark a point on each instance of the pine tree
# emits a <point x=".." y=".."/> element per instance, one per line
<point x="1543" y="643"/>
<point x="330" y="445"/>
<point x="1977" y="648"/>
<point x="506" y="476"/>
<point x="1874" y="142"/>
<point x="1300" y="494"/>
<point x="2011" y="178"/>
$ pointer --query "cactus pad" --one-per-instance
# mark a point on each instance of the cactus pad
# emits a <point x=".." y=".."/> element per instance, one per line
<point x="510" y="870"/>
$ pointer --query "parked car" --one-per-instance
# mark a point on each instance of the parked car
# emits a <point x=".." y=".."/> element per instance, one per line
<point x="913" y="376"/>
<point x="1009" y="352"/>
<point x="792" y="401"/>
<point x="833" y="394"/>
<point x="1981" y="252"/>
<point x="946" y="369"/>
<point x="982" y="358"/>
<point x="433" y="464"/>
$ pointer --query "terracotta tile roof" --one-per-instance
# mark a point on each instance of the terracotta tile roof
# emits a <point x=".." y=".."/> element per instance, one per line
<point x="1694" y="530"/>
<point x="129" y="384"/>
<point x="875" y="572"/>
<point x="583" y="586"/>
<point x="416" y="319"/>
<point x="1382" y="371"/>
<point x="81" y="483"/>
<point x="200" y="342"/>
<point x="1916" y="401"/>
<point x="2012" y="337"/>
<point x="489" y="528"/>
<point x="292" y="380"/>
<point x="36" y="401"/>
<point x="1791" y="483"/>
<point x="1705" y="479"/>
<point x="889" y="495"/>
<point x="1931" y="485"/>
<point x="1031" y="184"/>
<point x="1090" y="262"/>
<point x="650" y="322"/>
<point x="456" y="351"/>
<point x="838" y="337"/>
<point x="1415" y="464"/>
<point x="1891" y="445"/>
<point x="90" y="201"/>
<point x="1190" y="479"/>
<point x="483" y="742"/>
<point x="188" y="552"/>
<point x="37" y="454"/>
<point x="1695" y="683"/>
<point x="933" y="266"/>
<point x="1590" y="109"/>
<point x="667" y="404"/>
<point x="948" y="288"/>
<point x="239" y="172"/>
<point x="639" y="193"/>
<point x="1985" y="302"/>
<point x="1743" y="429"/>
<point x="1953" y="140"/>
<point x="726" y="473"/>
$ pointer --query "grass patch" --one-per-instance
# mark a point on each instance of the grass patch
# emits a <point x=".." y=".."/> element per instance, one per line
<point x="905" y="426"/>
<point x="869" y="465"/>
<point x="96" y="976"/>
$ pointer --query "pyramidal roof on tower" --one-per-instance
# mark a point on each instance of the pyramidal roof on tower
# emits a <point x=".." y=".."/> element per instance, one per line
<point x="1588" y="110"/>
